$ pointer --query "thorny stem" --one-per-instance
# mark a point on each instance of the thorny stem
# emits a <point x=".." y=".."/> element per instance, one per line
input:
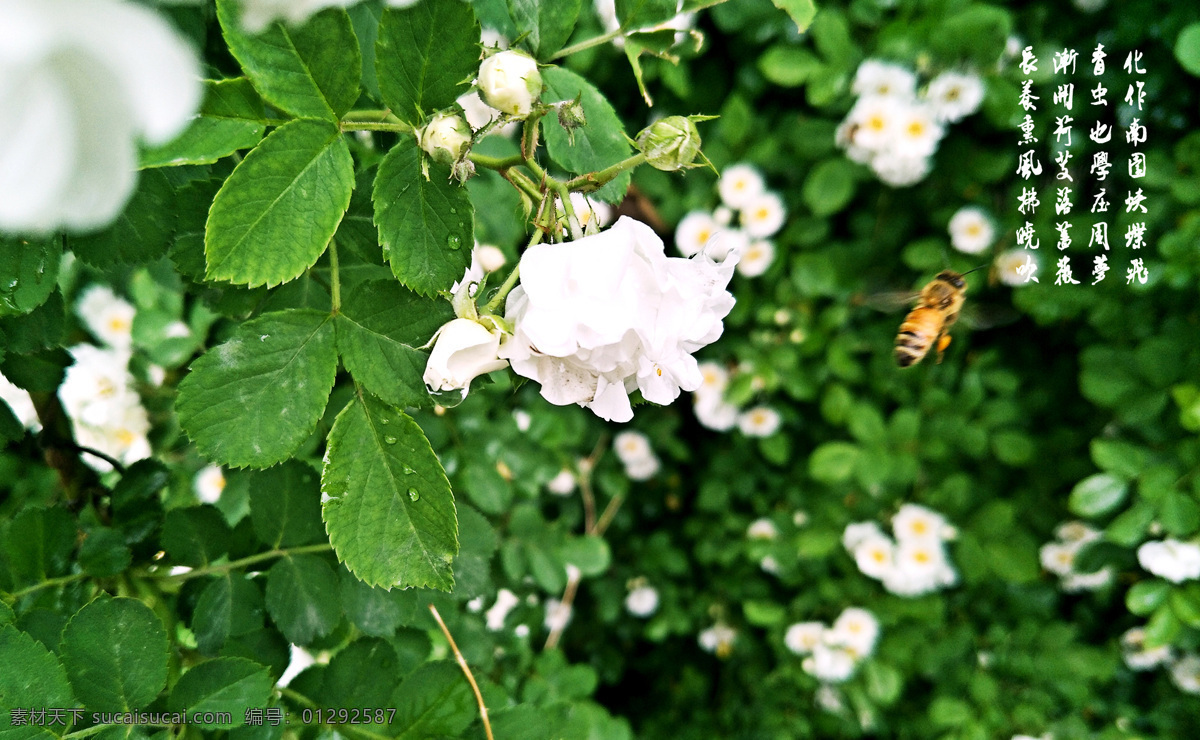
<point x="596" y="180"/>
<point x="268" y="555"/>
<point x="522" y="181"/>
<point x="568" y="207"/>
<point x="462" y="663"/>
<point x="496" y="163"/>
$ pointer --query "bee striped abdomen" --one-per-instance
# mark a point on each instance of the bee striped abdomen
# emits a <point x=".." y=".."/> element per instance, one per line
<point x="917" y="334"/>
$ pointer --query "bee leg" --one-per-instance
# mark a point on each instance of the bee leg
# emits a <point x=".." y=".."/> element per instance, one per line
<point x="943" y="343"/>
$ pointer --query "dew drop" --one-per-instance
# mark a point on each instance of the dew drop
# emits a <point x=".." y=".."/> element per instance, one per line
<point x="453" y="242"/>
<point x="408" y="470"/>
<point x="454" y="210"/>
<point x="390" y="439"/>
<point x="413" y="495"/>
<point x="264" y="337"/>
<point x="385" y="421"/>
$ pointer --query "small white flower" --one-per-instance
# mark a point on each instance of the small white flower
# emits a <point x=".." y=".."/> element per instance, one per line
<point x="900" y="170"/>
<point x="723" y="215"/>
<point x="802" y="637"/>
<point x="107" y="316"/>
<point x="475" y="605"/>
<point x="856" y="629"/>
<point x="445" y="137"/>
<point x="209" y="484"/>
<point x="1074" y="531"/>
<point x="829" y="663"/>
<point x="643" y="469"/>
<point x="1171" y="559"/>
<point x="522" y="419"/>
<point x="875" y="556"/>
<point x="490" y="258"/>
<point x="885" y="80"/>
<point x="954" y="95"/>
<point x="593" y="214"/>
<point x="764" y="215"/>
<point x="762" y="529"/>
<point x="521" y="631"/>
<point x="20" y="402"/>
<point x="760" y="421"/>
<point x="800" y="518"/>
<point x="714" y="379"/>
<point x="1135" y="654"/>
<point x="1185" y="673"/>
<point x="920" y="567"/>
<point x="740" y="184"/>
<point x="462" y="350"/>
<point x="971" y="231"/>
<point x="562" y="484"/>
<point x="642" y="601"/>
<point x="632" y="446"/>
<point x="718" y="639"/>
<point x="915" y="522"/>
<point x="510" y="82"/>
<point x="694" y="232"/>
<point x="713" y="412"/>
<point x="1010" y="264"/>
<point x="875" y="123"/>
<point x="860" y="532"/>
<point x="769" y="564"/>
<point x="757" y="258"/>
<point x="506" y="601"/>
<point x="1057" y="557"/>
<point x="918" y="132"/>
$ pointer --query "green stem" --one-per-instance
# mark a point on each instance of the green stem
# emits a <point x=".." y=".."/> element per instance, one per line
<point x="506" y="288"/>
<point x="596" y="180"/>
<point x="522" y="181"/>
<point x="268" y="555"/>
<point x="373" y="126"/>
<point x="573" y="222"/>
<point x="335" y="284"/>
<point x="602" y="39"/>
<point x="380" y="115"/>
<point x="496" y="163"/>
<point x="48" y="583"/>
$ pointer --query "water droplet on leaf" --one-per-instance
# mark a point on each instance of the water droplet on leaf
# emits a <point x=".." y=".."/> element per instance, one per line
<point x="408" y="470"/>
<point x="413" y="495"/>
<point x="453" y="242"/>
<point x="390" y="439"/>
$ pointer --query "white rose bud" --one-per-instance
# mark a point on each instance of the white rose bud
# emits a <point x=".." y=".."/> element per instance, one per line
<point x="445" y="137"/>
<point x="670" y="143"/>
<point x="510" y="82"/>
<point x="462" y="350"/>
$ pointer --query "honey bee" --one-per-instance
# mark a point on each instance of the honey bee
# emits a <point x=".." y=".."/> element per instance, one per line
<point x="938" y="306"/>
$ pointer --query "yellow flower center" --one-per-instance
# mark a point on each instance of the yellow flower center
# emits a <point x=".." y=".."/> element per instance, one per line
<point x="916" y="128"/>
<point x="919" y="527"/>
<point x="762" y="214"/>
<point x="921" y="556"/>
<point x="876" y="123"/>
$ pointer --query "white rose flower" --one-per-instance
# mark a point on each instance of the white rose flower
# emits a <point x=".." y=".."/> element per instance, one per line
<point x="209" y="483"/>
<point x="1185" y="673"/>
<point x="802" y="637"/>
<point x="714" y="378"/>
<point x="1057" y="557"/>
<point x="971" y="231"/>
<point x="80" y="82"/>
<point x="445" y="137"/>
<point x="920" y="567"/>
<point x="953" y="96"/>
<point x="900" y="170"/>
<point x="918" y="132"/>
<point x="856" y="629"/>
<point x="915" y="522"/>
<point x="876" y="78"/>
<point x="875" y="122"/>
<point x="1171" y="559"/>
<point x="562" y="484"/>
<point x="763" y="216"/>
<point x="643" y="469"/>
<point x="762" y="529"/>
<point x="489" y="257"/>
<point x="1009" y="265"/>
<point x="632" y="447"/>
<point x="510" y="82"/>
<point x="829" y="663"/>
<point x="739" y="184"/>
<point x="718" y="639"/>
<point x="642" y="601"/>
<point x="760" y="421"/>
<point x="875" y="556"/>
<point x="506" y="601"/>
<point x="462" y="350"/>
<point x="860" y="532"/>
<point x="757" y="258"/>
<point x="107" y="316"/>
<point x="713" y="412"/>
<point x="694" y="232"/>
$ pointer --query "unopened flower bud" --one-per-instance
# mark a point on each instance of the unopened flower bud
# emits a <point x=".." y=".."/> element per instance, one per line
<point x="445" y="137"/>
<point x="510" y="82"/>
<point x="462" y="350"/>
<point x="571" y="116"/>
<point x="670" y="143"/>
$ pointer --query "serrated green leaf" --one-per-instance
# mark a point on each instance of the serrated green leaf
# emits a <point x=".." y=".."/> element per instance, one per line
<point x="599" y="144"/>
<point x="635" y="14"/>
<point x="229" y="606"/>
<point x="38" y="329"/>
<point x="195" y="535"/>
<point x="1097" y="495"/>
<point x="310" y="70"/>
<point x="103" y="553"/>
<point x="285" y="504"/>
<point x="39" y="544"/>
<point x="275" y="214"/>
<point x="390" y="514"/>
<point x="209" y="138"/>
<point x="142" y="233"/>
<point x="344" y="687"/>
<point x="373" y="610"/>
<point x="32" y="677"/>
<point x="220" y="685"/>
<point x="425" y="56"/>
<point x="28" y="272"/>
<point x="801" y="12"/>
<point x="232" y="99"/>
<point x="426" y="227"/>
<point x="548" y="23"/>
<point x="252" y="400"/>
<point x="380" y="332"/>
<point x="115" y="653"/>
<point x="302" y="598"/>
<point x="434" y="701"/>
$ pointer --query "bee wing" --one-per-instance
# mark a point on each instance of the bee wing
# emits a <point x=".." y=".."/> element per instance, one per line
<point x="888" y="302"/>
<point x="987" y="316"/>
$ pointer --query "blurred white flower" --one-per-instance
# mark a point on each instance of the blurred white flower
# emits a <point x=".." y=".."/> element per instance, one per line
<point x="209" y="483"/>
<point x="80" y="82"/>
<point x="918" y="132"/>
<point x="522" y="419"/>
<point x="1171" y="559"/>
<point x="506" y="601"/>
<point x="1058" y="557"/>
<point x="593" y="214"/>
<point x="475" y="605"/>
<point x="713" y="412"/>
<point x="860" y="532"/>
<point x="918" y="523"/>
<point x="718" y="639"/>
<point x="258" y="14"/>
<point x="562" y="484"/>
<point x="921" y="567"/>
<point x="714" y="378"/>
<point x="1075" y="582"/>
<point x="739" y="185"/>
<point x="829" y="663"/>
<point x="802" y="637"/>
<point x="1010" y="264"/>
<point x="757" y="258"/>
<point x="694" y="231"/>
<point x="298" y="661"/>
<point x="764" y="215"/>
<point x="1185" y="673"/>
<point x="800" y="518"/>
<point x="107" y="316"/>
<point x="643" y="469"/>
<point x="490" y="258"/>
<point x="769" y="564"/>
<point x="20" y="402"/>
<point x="875" y="122"/>
<point x="878" y="78"/>
<point x="875" y="556"/>
<point x="953" y="96"/>
<point x="642" y="601"/>
<point x="971" y="231"/>
<point x="521" y="631"/>
<point x="760" y="421"/>
<point x="1075" y="531"/>
<point x="762" y="529"/>
<point x="632" y="446"/>
<point x="900" y="170"/>
<point x="106" y="412"/>
<point x="856" y="629"/>
<point x="1137" y="656"/>
<point x="723" y="215"/>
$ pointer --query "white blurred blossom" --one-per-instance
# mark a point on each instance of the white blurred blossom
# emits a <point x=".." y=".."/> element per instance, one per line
<point x="19" y="401"/>
<point x="953" y="96"/>
<point x="107" y="316"/>
<point x="1171" y="559"/>
<point x="209" y="483"/>
<point x="718" y="639"/>
<point x="1185" y="673"/>
<point x="506" y="601"/>
<point x="762" y="529"/>
<point x="740" y="184"/>
<point x="642" y="601"/>
<point x="802" y="637"/>
<point x="760" y="421"/>
<point x="883" y="79"/>
<point x="757" y="258"/>
<point x="971" y="230"/>
<point x="562" y="484"/>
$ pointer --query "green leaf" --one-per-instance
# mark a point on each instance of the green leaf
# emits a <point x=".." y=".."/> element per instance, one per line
<point x="285" y="503"/>
<point x="1097" y="495"/>
<point x="229" y="606"/>
<point x="195" y="535"/>
<point x="829" y="186"/>
<point x="373" y="610"/>
<point x="434" y="701"/>
<point x="764" y="613"/>
<point x="548" y="23"/>
<point x="1120" y="458"/>
<point x="390" y="514"/>
<point x="310" y="71"/>
<point x="833" y="461"/>
<point x="1179" y="514"/>
<point x="426" y="56"/>
<point x="252" y="400"/>
<point x="103" y="553"/>
<point x="486" y="488"/>
<point x="589" y="554"/>
<point x="41" y="328"/>
<point x="426" y="226"/>
<point x="344" y="686"/>
<point x="977" y="32"/>
<point x="28" y="272"/>
<point x="142" y="233"/>
<point x="209" y="138"/>
<point x="599" y="144"/>
<point x="115" y="653"/>
<point x="1187" y="49"/>
<point x="39" y="544"/>
<point x="302" y="598"/>
<point x="380" y="332"/>
<point x="788" y="66"/>
<point x="32" y="677"/>
<point x="635" y="14"/>
<point x="1163" y="627"/>
<point x="230" y="685"/>
<point x="801" y="12"/>
<point x="275" y="214"/>
<point x="232" y="99"/>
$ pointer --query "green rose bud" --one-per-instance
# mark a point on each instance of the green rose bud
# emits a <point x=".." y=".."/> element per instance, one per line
<point x="670" y="143"/>
<point x="571" y="116"/>
<point x="445" y="137"/>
